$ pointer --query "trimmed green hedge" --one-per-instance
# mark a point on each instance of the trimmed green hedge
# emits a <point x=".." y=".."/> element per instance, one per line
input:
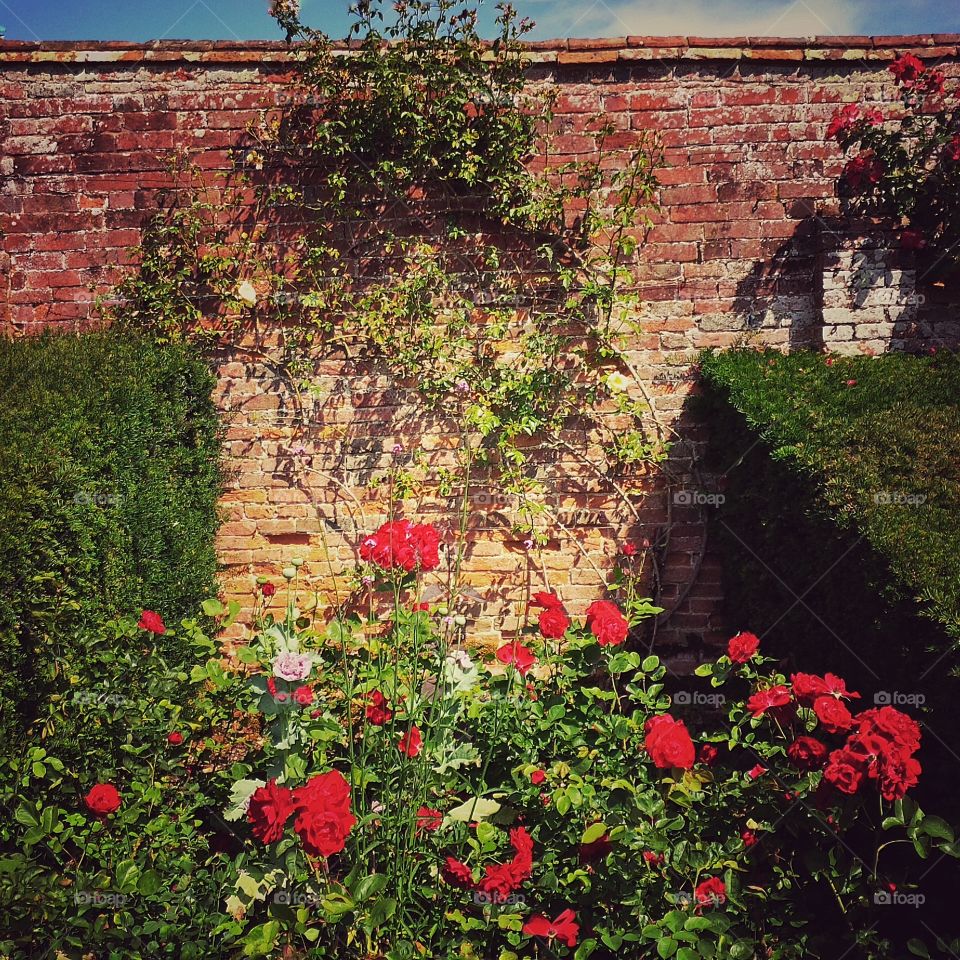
<point x="879" y="440"/>
<point x="109" y="479"/>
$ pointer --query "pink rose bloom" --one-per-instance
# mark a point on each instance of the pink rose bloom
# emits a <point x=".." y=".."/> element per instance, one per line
<point x="292" y="666"/>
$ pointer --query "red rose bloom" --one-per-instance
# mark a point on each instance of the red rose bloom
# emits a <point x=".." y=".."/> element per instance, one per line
<point x="629" y="549"/>
<point x="428" y="819"/>
<point x="807" y="753"/>
<point x="770" y="699"/>
<point x="897" y="772"/>
<point x="103" y="799"/>
<point x="748" y="837"/>
<point x="834" y="717"/>
<point x="501" y="880"/>
<point x="807" y="687"/>
<point x="754" y="773"/>
<point x="175" y="738"/>
<point x="708" y="754"/>
<point x="151" y="622"/>
<point x="303" y="696"/>
<point x="553" y="623"/>
<point x="843" y="120"/>
<point x="607" y="623"/>
<point x="270" y="808"/>
<point x="377" y="711"/>
<point x="400" y="544"/>
<point x="863" y="171"/>
<point x="654" y="859"/>
<point x="324" y="820"/>
<point x="268" y="589"/>
<point x="844" y="770"/>
<point x="891" y="724"/>
<point x="710" y="893"/>
<point x="668" y="743"/>
<point x="411" y="743"/>
<point x="538" y="776"/>
<point x="457" y="874"/>
<point x="908" y="69"/>
<point x="742" y="647"/>
<point x="517" y="655"/>
<point x="564" y="928"/>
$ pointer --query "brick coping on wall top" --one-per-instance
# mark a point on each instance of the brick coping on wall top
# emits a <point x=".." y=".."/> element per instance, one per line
<point x="572" y="51"/>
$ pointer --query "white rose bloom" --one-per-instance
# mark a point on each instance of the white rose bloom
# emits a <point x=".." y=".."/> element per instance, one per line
<point x="617" y="382"/>
<point x="247" y="292"/>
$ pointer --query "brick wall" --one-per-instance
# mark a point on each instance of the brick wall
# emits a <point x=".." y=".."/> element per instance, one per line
<point x="749" y="245"/>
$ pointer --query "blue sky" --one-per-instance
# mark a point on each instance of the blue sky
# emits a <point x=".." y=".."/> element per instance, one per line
<point x="248" y="19"/>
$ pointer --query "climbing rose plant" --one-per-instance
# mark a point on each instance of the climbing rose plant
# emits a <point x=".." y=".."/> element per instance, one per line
<point x="416" y="797"/>
<point x="907" y="164"/>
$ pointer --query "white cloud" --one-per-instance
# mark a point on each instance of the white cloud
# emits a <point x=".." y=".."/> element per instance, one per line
<point x="704" y="18"/>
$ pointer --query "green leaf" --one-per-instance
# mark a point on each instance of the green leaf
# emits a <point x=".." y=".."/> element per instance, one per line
<point x="212" y="607"/>
<point x="126" y="875"/>
<point x="937" y="827"/>
<point x="26" y="816"/>
<point x="666" y="947"/>
<point x="594" y="832"/>
<point x="382" y="911"/>
<point x="918" y="948"/>
<point x="479" y="809"/>
<point x="369" y="886"/>
<point x="150" y="883"/>
<point x="650" y="664"/>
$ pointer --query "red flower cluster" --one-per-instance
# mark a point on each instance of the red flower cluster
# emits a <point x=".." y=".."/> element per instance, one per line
<point x="710" y="893"/>
<point x="881" y="748"/>
<point x="911" y="74"/>
<point x="402" y="544"/>
<point x="411" y="743"/>
<point x="103" y="799"/>
<point x="668" y="743"/>
<point x="847" y="118"/>
<point x="378" y="710"/>
<point x="515" y="654"/>
<point x="428" y="819"/>
<point x="607" y="623"/>
<point x="564" y="928"/>
<point x="807" y="753"/>
<point x="323" y="812"/>
<point x="553" y="620"/>
<point x="324" y="819"/>
<point x="742" y="647"/>
<point x="499" y="880"/>
<point x="864" y="171"/>
<point x="151" y="622"/>
<point x="773" y="698"/>
<point x="270" y="808"/>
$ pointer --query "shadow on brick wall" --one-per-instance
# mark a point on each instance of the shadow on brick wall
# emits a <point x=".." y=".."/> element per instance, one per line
<point x="846" y="286"/>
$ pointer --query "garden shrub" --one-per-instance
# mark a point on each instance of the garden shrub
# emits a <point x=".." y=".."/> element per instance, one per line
<point x="877" y="439"/>
<point x="109" y="478"/>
